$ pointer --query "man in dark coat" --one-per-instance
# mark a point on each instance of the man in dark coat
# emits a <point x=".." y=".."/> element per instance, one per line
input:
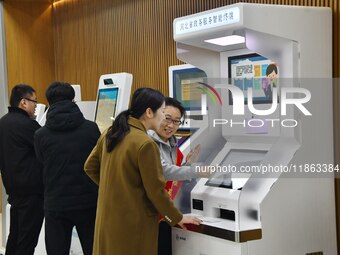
<point x="63" y="146"/>
<point x="21" y="172"/>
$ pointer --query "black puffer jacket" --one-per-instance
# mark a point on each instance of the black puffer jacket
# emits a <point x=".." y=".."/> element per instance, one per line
<point x="21" y="172"/>
<point x="63" y="146"/>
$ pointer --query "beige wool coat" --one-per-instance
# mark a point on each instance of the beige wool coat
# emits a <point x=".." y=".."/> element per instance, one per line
<point x="131" y="194"/>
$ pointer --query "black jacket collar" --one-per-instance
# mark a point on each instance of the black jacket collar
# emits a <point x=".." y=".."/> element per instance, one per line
<point x="64" y="115"/>
<point x="12" y="109"/>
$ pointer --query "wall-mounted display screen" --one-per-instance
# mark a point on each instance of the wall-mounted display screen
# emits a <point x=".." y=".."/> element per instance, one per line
<point x="106" y="107"/>
<point x="187" y="88"/>
<point x="256" y="72"/>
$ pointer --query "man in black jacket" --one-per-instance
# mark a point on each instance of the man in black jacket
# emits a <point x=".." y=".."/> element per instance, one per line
<point x="63" y="146"/>
<point x="21" y="172"/>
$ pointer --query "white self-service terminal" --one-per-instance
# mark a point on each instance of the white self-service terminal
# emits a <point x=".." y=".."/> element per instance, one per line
<point x="270" y="137"/>
<point x="112" y="98"/>
<point x="86" y="107"/>
<point x="39" y="112"/>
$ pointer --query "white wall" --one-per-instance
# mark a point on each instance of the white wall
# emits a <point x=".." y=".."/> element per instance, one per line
<point x="3" y="105"/>
<point x="3" y="66"/>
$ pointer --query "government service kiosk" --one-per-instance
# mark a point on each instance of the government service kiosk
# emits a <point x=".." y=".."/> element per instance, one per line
<point x="113" y="97"/>
<point x="278" y="119"/>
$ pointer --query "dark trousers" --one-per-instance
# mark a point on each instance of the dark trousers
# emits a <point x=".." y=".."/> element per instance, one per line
<point x="164" y="239"/>
<point x="59" y="226"/>
<point x="26" y="218"/>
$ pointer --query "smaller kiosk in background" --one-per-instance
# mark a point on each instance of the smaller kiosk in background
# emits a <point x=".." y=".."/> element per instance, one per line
<point x="113" y="97"/>
<point x="40" y="112"/>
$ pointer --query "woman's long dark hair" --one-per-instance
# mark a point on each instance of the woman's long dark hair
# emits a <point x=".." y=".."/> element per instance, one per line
<point x="142" y="99"/>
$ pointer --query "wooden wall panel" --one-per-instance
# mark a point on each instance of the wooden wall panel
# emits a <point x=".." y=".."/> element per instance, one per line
<point x="29" y="44"/>
<point x="105" y="36"/>
<point x="102" y="36"/>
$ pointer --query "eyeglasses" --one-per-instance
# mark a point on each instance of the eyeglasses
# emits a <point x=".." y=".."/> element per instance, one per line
<point x="34" y="101"/>
<point x="169" y="120"/>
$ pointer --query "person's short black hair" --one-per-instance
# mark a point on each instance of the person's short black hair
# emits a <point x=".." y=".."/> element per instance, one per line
<point x="59" y="91"/>
<point x="19" y="92"/>
<point x="169" y="101"/>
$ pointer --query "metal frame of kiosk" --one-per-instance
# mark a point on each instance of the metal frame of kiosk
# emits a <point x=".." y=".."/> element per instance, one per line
<point x="264" y="213"/>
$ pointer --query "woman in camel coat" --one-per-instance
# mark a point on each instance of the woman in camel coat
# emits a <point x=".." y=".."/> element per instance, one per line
<point x="126" y="165"/>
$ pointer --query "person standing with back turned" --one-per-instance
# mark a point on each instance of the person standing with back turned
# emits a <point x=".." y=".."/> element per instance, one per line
<point x="21" y="172"/>
<point x="63" y="145"/>
<point x="126" y="165"/>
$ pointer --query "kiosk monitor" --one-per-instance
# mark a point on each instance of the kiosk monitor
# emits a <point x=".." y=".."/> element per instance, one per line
<point x="106" y="107"/>
<point x="187" y="86"/>
<point x="256" y="72"/>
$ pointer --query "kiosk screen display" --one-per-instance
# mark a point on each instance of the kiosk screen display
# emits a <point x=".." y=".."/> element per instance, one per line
<point x="106" y="107"/>
<point x="256" y="72"/>
<point x="187" y="88"/>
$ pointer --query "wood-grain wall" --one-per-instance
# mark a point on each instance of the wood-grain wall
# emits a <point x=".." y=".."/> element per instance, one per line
<point x="29" y="44"/>
<point x="105" y="36"/>
<point x="78" y="40"/>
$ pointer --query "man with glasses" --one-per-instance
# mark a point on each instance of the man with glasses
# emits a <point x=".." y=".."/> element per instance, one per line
<point x="21" y="172"/>
<point x="167" y="142"/>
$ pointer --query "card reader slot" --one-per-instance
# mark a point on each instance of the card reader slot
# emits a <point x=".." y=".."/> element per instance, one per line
<point x="227" y="214"/>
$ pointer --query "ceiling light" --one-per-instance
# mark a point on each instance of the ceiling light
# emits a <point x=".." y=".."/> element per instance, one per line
<point x="227" y="40"/>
